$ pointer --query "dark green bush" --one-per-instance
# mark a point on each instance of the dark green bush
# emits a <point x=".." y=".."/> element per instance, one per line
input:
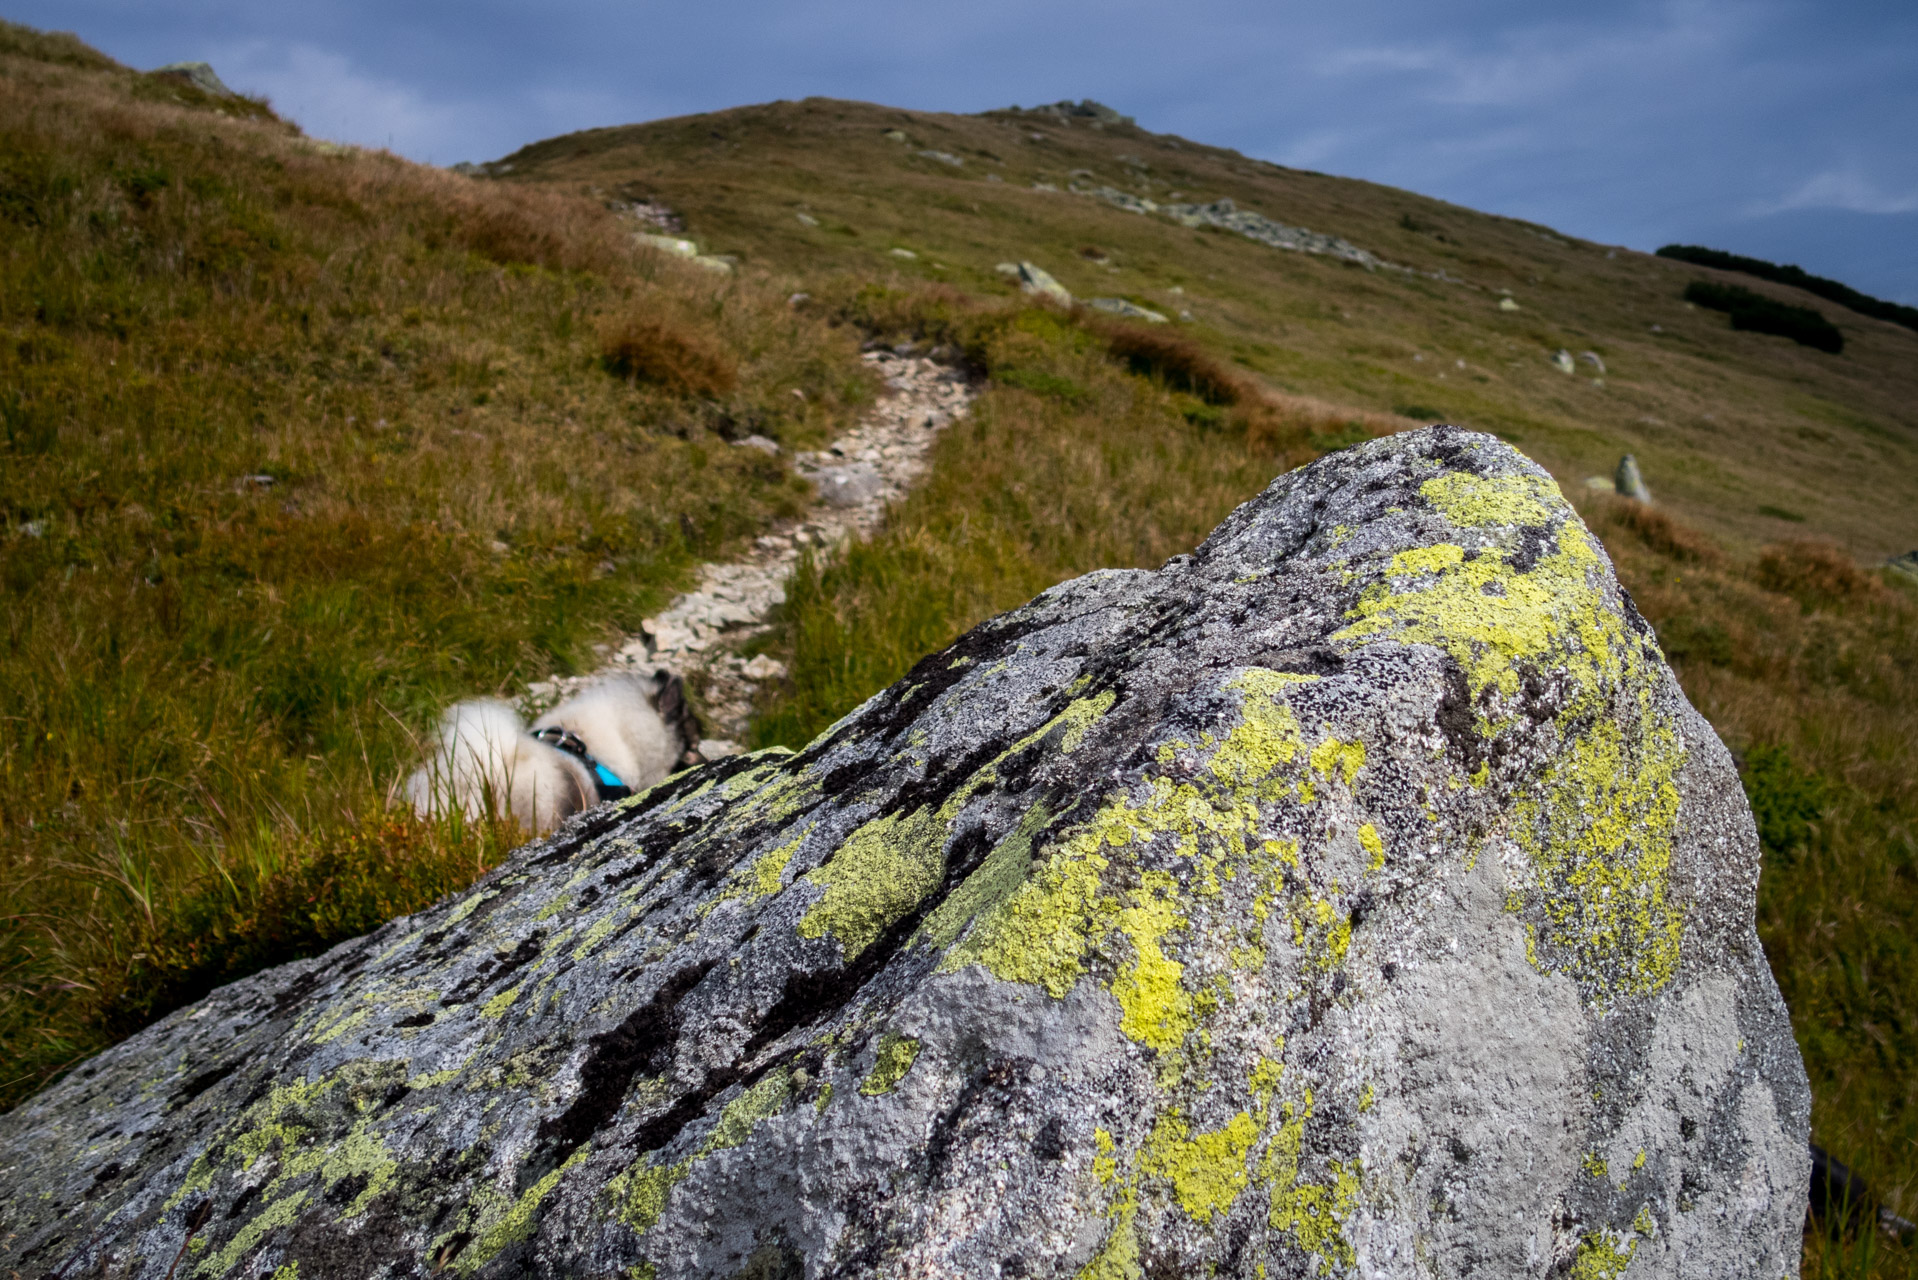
<point x="1785" y="799"/>
<point x="1844" y="295"/>
<point x="1759" y="314"/>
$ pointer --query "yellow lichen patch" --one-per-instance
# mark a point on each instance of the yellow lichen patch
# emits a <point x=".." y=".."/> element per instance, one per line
<point x="1474" y="502"/>
<point x="341" y="1026"/>
<point x="278" y="1213"/>
<point x="358" y="1155"/>
<point x="499" y="1004"/>
<point x="640" y="1191"/>
<point x="1313" y="1212"/>
<point x="1602" y="1257"/>
<point x="760" y="878"/>
<point x="517" y="1222"/>
<point x="1266" y="739"/>
<point x="1104" y="1167"/>
<point x="1155" y="1009"/>
<point x="1600" y="828"/>
<point x="743" y="1114"/>
<point x="1043" y="932"/>
<point x="882" y="871"/>
<point x="1079" y="716"/>
<point x="597" y="934"/>
<point x="1374" y="847"/>
<point x="1337" y="756"/>
<point x="1265" y="1078"/>
<point x="897" y="1053"/>
<point x="1118" y="1257"/>
<point x="1207" y="1171"/>
<point x="996" y="878"/>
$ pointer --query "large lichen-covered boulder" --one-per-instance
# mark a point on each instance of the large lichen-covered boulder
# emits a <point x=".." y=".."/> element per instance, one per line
<point x="1357" y="895"/>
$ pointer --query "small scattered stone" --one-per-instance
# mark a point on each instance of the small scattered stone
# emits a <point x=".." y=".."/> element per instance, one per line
<point x="806" y="219"/>
<point x="1120" y="307"/>
<point x="1593" y="359"/>
<point x="1037" y="281"/>
<point x="1562" y="361"/>
<point x="1629" y="481"/>
<point x="1508" y="304"/>
<point x="758" y="442"/>
<point x="943" y="157"/>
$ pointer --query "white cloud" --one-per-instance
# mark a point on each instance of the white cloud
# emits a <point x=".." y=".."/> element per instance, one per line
<point x="330" y="98"/>
<point x="1848" y="188"/>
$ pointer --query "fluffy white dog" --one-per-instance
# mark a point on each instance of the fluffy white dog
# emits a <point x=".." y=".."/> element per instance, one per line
<point x="605" y="742"/>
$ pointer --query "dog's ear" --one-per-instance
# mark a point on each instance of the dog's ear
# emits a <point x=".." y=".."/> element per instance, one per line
<point x="676" y="709"/>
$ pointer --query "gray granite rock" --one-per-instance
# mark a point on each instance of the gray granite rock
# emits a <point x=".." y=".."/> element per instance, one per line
<point x="1357" y="895"/>
<point x="1038" y="281"/>
<point x="1629" y="481"/>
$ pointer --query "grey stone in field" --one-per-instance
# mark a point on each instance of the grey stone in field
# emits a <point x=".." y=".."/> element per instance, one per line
<point x="1357" y="895"/>
<point x="1629" y="481"/>
<point x="1038" y="281"/>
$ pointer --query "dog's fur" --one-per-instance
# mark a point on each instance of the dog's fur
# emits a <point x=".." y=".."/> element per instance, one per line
<point x="486" y="760"/>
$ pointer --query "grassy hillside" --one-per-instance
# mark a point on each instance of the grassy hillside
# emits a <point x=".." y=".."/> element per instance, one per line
<point x="1748" y="436"/>
<point x="298" y="444"/>
<point x="1782" y="473"/>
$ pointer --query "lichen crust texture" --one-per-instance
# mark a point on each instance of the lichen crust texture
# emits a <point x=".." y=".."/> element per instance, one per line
<point x="1357" y="895"/>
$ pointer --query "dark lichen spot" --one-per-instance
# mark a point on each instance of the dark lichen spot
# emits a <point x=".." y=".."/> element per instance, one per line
<point x="1050" y="1144"/>
<point x="417" y="1020"/>
<point x="201" y="1083"/>
<point x="642" y="1043"/>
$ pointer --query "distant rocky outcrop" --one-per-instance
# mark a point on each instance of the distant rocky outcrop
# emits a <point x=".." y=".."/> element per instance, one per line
<point x="1223" y="213"/>
<point x="198" y="74"/>
<point x="1357" y="895"/>
<point x="1085" y="109"/>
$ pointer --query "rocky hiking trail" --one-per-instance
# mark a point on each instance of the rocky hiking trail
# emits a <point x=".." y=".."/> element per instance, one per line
<point x="699" y="637"/>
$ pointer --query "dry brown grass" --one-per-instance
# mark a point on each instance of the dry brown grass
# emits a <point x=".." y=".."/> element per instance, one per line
<point x="1175" y="360"/>
<point x="1815" y="571"/>
<point x="1660" y="532"/>
<point x="672" y="357"/>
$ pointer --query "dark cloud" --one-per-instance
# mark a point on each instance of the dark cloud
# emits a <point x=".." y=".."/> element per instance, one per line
<point x="1782" y="127"/>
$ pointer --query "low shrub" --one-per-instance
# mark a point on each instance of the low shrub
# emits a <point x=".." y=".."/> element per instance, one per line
<point x="1756" y="313"/>
<point x="1798" y="277"/>
<point x="672" y="357"/>
<point x="1180" y="363"/>
<point x="1814" y="572"/>
<point x="1661" y="533"/>
<point x="1786" y="800"/>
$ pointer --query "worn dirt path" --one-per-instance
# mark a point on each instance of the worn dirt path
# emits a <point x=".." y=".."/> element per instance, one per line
<point x="698" y="637"/>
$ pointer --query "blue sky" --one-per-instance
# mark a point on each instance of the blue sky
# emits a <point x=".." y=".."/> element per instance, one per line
<point x="1782" y="128"/>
